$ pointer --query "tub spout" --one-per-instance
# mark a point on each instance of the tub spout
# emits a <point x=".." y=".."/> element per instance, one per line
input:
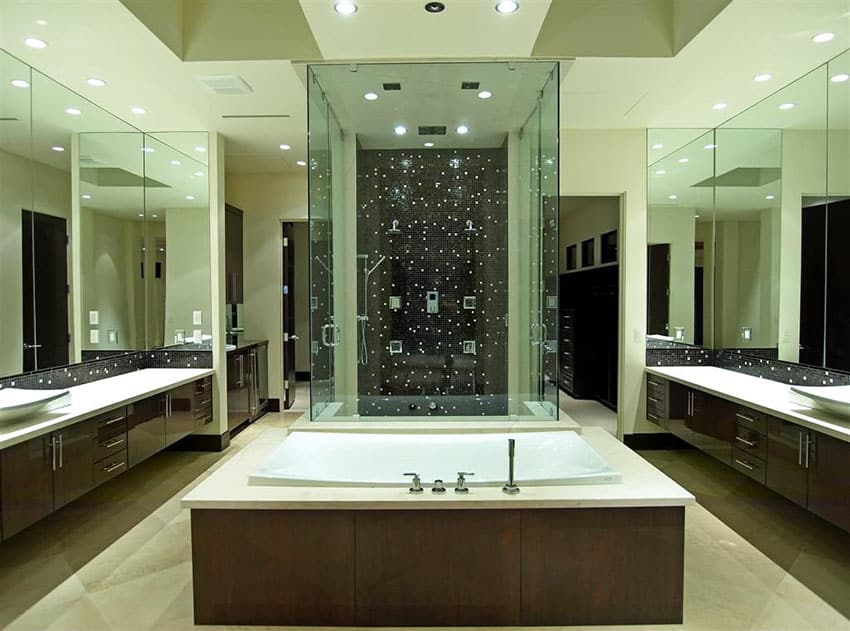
<point x="510" y="488"/>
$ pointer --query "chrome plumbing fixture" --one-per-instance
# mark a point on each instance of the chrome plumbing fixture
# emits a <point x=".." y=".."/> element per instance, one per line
<point x="470" y="229"/>
<point x="416" y="482"/>
<point x="395" y="229"/>
<point x="364" y="318"/>
<point x="460" y="486"/>
<point x="510" y="488"/>
<point x="438" y="486"/>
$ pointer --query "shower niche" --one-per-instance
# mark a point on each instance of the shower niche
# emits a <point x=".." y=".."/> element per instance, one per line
<point x="434" y="223"/>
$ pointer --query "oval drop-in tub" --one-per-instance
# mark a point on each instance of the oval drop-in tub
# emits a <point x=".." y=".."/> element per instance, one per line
<point x="343" y="459"/>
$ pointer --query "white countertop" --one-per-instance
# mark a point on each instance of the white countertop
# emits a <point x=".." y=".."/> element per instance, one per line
<point x="643" y="485"/>
<point x="768" y="396"/>
<point x="91" y="399"/>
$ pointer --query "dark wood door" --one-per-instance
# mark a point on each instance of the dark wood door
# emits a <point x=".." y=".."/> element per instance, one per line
<point x="233" y="255"/>
<point x="74" y="474"/>
<point x="680" y="414"/>
<point x="837" y="344"/>
<point x="45" y="290"/>
<point x="145" y="428"/>
<point x="712" y="421"/>
<point x="786" y="472"/>
<point x="289" y="337"/>
<point x="658" y="289"/>
<point x="26" y="483"/>
<point x="829" y="482"/>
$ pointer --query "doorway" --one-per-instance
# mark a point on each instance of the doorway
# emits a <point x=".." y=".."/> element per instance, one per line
<point x="295" y="296"/>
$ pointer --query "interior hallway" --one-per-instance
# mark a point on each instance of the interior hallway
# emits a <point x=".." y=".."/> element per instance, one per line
<point x="588" y="412"/>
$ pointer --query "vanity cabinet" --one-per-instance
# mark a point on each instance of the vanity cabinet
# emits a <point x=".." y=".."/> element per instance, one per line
<point x="237" y="389"/>
<point x="788" y="459"/>
<point x="145" y="428"/>
<point x="26" y="484"/>
<point x="712" y="424"/>
<point x="828" y="479"/>
<point x="73" y="472"/>
<point x="247" y="384"/>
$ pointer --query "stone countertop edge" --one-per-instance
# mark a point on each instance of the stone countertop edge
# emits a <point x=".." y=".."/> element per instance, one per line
<point x="765" y="395"/>
<point x="241" y="346"/>
<point x="93" y="398"/>
<point x="643" y="486"/>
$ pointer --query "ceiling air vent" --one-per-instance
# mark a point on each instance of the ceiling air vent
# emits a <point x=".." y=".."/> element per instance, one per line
<point x="228" y="84"/>
<point x="432" y="130"/>
<point x="392" y="87"/>
<point x="470" y="85"/>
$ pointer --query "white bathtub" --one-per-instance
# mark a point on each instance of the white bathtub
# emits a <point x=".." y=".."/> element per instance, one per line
<point x="361" y="459"/>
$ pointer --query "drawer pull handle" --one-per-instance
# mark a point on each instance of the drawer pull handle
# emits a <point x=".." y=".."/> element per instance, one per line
<point x="653" y="383"/>
<point x="653" y="399"/>
<point x="205" y="419"/>
<point x="744" y="417"/>
<point x="114" y="420"/>
<point x="653" y="417"/>
<point x="746" y="465"/>
<point x="112" y="467"/>
<point x="203" y="403"/>
<point x="748" y="443"/>
<point x="113" y="443"/>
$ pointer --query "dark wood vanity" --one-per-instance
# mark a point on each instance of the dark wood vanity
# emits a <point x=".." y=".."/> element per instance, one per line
<point x="805" y="466"/>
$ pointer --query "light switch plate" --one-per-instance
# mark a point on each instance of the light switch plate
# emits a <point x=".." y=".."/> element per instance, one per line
<point x="112" y="336"/>
<point x="196" y="317"/>
<point x="94" y="336"/>
<point x="94" y="318"/>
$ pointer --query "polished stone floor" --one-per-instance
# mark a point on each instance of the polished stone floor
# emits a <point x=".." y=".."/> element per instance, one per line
<point x="588" y="413"/>
<point x="120" y="558"/>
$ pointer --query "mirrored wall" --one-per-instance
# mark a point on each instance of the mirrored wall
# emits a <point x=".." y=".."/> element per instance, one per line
<point x="104" y="230"/>
<point x="746" y="224"/>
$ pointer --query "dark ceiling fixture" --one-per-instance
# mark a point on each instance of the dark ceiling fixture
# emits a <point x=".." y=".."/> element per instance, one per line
<point x="435" y="7"/>
<point x="470" y="85"/>
<point x="392" y="87"/>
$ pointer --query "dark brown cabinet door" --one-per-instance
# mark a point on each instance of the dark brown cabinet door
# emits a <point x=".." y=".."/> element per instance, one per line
<point x="238" y="380"/>
<point x="233" y="255"/>
<point x="786" y="470"/>
<point x="179" y="413"/>
<point x="829" y="481"/>
<point x="712" y="421"/>
<point x="26" y="484"/>
<point x="681" y="412"/>
<point x="145" y="428"/>
<point x="74" y="475"/>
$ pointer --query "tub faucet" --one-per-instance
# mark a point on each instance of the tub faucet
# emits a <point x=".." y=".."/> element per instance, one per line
<point x="416" y="483"/>
<point x="510" y="488"/>
<point x="461" y="487"/>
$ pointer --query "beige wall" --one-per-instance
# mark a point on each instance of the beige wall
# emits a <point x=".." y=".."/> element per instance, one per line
<point x="266" y="199"/>
<point x="585" y="218"/>
<point x="677" y="226"/>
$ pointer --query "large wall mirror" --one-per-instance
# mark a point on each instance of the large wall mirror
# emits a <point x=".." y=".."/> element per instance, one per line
<point x="104" y="230"/>
<point x="751" y="218"/>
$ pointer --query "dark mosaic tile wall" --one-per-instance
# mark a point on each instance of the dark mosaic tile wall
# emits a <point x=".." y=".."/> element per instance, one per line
<point x="432" y="194"/>
<point x="687" y="356"/>
<point x="785" y="372"/>
<point x="86" y="372"/>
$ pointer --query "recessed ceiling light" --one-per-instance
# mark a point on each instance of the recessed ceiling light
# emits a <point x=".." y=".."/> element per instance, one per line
<point x="95" y="82"/>
<point x="20" y="83"/>
<point x="137" y="110"/>
<point x="485" y="94"/>
<point x="462" y="129"/>
<point x="198" y="174"/>
<point x="370" y="96"/>
<point x="839" y="78"/>
<point x="674" y="196"/>
<point x="345" y="7"/>
<point x="660" y="172"/>
<point x="141" y="215"/>
<point x="770" y="197"/>
<point x="200" y="149"/>
<point x="148" y="149"/>
<point x="58" y="148"/>
<point x="429" y="144"/>
<point x="435" y="7"/>
<point x="711" y="146"/>
<point x="73" y="111"/>
<point x="41" y="22"/>
<point x="507" y="6"/>
<point x="657" y="145"/>
<point x="34" y="42"/>
<point x="285" y="147"/>
<point x="190" y="197"/>
<point x="719" y="106"/>
<point x="399" y="130"/>
<point x="155" y="216"/>
<point x="86" y="196"/>
<point x="683" y="160"/>
<point x="822" y="38"/>
<point x="786" y="106"/>
<point x="762" y="77"/>
<point x="175" y="163"/>
<point x="301" y="163"/>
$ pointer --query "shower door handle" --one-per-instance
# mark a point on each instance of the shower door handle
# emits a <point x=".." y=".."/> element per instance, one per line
<point x="337" y="335"/>
<point x="325" y="341"/>
<point x="535" y="339"/>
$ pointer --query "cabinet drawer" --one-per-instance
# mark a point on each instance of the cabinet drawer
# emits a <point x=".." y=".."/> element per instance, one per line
<point x="756" y="421"/>
<point x="116" y="419"/>
<point x="748" y="465"/>
<point x="109" y="467"/>
<point x="750" y="441"/>
<point x="106" y="446"/>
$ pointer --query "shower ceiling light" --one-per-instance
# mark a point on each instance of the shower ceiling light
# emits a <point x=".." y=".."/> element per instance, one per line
<point x="73" y="111"/>
<point x="769" y="197"/>
<point x="370" y="96"/>
<point x="462" y="129"/>
<point x="683" y="160"/>
<point x="96" y="83"/>
<point x="822" y="38"/>
<point x="399" y="130"/>
<point x="507" y="6"/>
<point x="198" y="174"/>
<point x="673" y="197"/>
<point x="762" y="77"/>
<point x="435" y="7"/>
<point x="658" y="145"/>
<point x="148" y="149"/>
<point x="58" y="148"/>
<point x="200" y="149"/>
<point x="840" y="78"/>
<point x="660" y="172"/>
<point x="345" y="7"/>
<point x="719" y="106"/>
<point x="485" y="94"/>
<point x="190" y="197"/>
<point x="786" y="106"/>
<point x="34" y="42"/>
<point x="86" y="196"/>
<point x="20" y="83"/>
<point x="711" y="146"/>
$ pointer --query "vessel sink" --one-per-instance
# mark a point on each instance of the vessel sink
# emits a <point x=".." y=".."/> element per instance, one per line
<point x="835" y="399"/>
<point x="16" y="403"/>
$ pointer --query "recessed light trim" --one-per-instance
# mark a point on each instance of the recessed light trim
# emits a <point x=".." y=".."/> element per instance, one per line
<point x="429" y="144"/>
<point x="823" y="38"/>
<point x="138" y="110"/>
<point x="399" y="130"/>
<point x="176" y="163"/>
<point x="95" y="82"/>
<point x="660" y="172"/>
<point x="20" y="83"/>
<point x="190" y="197"/>
<point x="345" y="7"/>
<point x="762" y="77"/>
<point x="657" y="145"/>
<point x="301" y="163"/>
<point x="58" y="148"/>
<point x="684" y="160"/>
<point x="435" y="7"/>
<point x="200" y="149"/>
<point x="73" y="111"/>
<point x="786" y="106"/>
<point x="86" y="196"/>
<point x="840" y="78"/>
<point x="370" y="96"/>
<point x="462" y="129"/>
<point x="674" y="196"/>
<point x="485" y="94"/>
<point x="141" y="215"/>
<point x="506" y="7"/>
<point x="719" y="106"/>
<point x="285" y="147"/>
<point x="770" y="197"/>
<point x="34" y="42"/>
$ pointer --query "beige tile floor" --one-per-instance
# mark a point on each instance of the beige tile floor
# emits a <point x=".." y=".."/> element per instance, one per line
<point x="122" y="561"/>
<point x="588" y="413"/>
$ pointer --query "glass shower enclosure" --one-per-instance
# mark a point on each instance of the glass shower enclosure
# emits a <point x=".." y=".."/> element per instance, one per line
<point x="433" y="218"/>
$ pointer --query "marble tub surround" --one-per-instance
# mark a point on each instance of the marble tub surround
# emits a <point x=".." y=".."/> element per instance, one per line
<point x="765" y="395"/>
<point x="91" y="399"/>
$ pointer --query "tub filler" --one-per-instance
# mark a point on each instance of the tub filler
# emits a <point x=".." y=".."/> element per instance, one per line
<point x="341" y="459"/>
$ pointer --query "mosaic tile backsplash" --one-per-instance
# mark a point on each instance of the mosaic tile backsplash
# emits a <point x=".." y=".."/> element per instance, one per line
<point x="440" y="218"/>
<point x="93" y="370"/>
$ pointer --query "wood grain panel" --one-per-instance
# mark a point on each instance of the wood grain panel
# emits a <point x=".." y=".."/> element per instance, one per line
<point x="253" y="567"/>
<point x="438" y="568"/>
<point x="602" y="566"/>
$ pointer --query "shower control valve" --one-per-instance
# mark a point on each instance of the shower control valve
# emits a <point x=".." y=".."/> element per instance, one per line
<point x="438" y="486"/>
<point x="461" y="487"/>
<point x="416" y="483"/>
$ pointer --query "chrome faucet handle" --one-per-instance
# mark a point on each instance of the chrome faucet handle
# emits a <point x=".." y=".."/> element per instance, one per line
<point x="461" y="487"/>
<point x="438" y="486"/>
<point x="416" y="482"/>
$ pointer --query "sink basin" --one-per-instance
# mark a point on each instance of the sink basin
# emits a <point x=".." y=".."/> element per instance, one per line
<point x="16" y="403"/>
<point x="835" y="399"/>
